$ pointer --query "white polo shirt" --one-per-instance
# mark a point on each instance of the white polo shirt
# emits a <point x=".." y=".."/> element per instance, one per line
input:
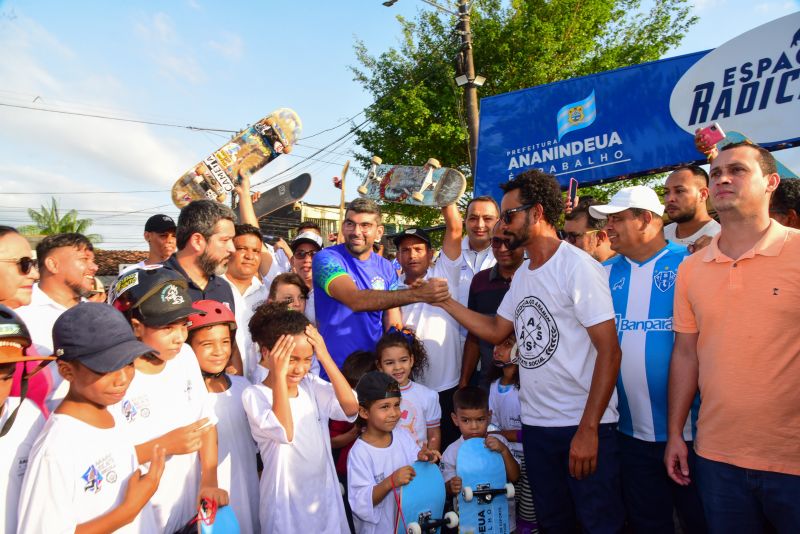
<point x="246" y="304"/>
<point x="473" y="261"/>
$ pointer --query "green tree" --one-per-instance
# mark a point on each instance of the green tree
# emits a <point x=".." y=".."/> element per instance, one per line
<point x="418" y="111"/>
<point x="50" y="221"/>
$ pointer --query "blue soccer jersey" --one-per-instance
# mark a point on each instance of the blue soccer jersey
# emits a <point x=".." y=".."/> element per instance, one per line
<point x="643" y="295"/>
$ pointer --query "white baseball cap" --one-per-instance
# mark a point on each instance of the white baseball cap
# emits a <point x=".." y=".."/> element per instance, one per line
<point x="637" y="196"/>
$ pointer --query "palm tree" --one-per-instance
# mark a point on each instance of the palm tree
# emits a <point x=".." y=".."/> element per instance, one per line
<point x="48" y="221"/>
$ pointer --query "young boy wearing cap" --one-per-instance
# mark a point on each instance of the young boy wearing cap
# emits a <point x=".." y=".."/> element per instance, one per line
<point x="82" y="473"/>
<point x="288" y="415"/>
<point x="167" y="402"/>
<point x="20" y="419"/>
<point x="380" y="461"/>
<point x="211" y="338"/>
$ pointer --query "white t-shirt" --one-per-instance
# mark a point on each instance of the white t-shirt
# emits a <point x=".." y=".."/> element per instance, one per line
<point x="449" y="470"/>
<point x="15" y="448"/>
<point x="419" y="411"/>
<point x="505" y="407"/>
<point x="237" y="472"/>
<point x="280" y="264"/>
<point x="367" y="466"/>
<point x="155" y="405"/>
<point x="551" y="308"/>
<point x="245" y="305"/>
<point x="438" y="331"/>
<point x="299" y="488"/>
<point x="711" y="228"/>
<point x="76" y="473"/>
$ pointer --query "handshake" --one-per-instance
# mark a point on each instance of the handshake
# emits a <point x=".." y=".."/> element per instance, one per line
<point x="430" y="291"/>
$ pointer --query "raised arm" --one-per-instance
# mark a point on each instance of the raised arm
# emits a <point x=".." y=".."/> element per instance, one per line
<point x="247" y="215"/>
<point x="454" y="228"/>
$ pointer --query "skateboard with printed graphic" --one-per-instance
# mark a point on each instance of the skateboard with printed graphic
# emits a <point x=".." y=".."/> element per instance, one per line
<point x="430" y="185"/>
<point x="422" y="502"/>
<point x="483" y="501"/>
<point x="735" y="137"/>
<point x="252" y="148"/>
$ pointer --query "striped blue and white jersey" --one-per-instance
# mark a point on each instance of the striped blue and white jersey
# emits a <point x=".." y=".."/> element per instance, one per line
<point x="643" y="294"/>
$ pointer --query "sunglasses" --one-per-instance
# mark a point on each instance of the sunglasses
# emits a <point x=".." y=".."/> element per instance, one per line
<point x="507" y="215"/>
<point x="498" y="242"/>
<point x="25" y="264"/>
<point x="303" y="254"/>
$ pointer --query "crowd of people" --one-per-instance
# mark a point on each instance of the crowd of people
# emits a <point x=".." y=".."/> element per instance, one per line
<point x="634" y="376"/>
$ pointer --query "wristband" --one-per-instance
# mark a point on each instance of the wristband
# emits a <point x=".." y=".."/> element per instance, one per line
<point x="519" y="436"/>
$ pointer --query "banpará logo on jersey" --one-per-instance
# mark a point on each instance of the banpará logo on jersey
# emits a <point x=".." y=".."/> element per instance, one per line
<point x="664" y="280"/>
<point x="378" y="283"/>
<point x="663" y="324"/>
<point x="537" y="333"/>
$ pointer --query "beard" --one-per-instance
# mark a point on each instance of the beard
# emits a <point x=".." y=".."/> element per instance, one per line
<point x="521" y="238"/>
<point x="357" y="250"/>
<point x="210" y="266"/>
<point x="79" y="289"/>
<point x="684" y="215"/>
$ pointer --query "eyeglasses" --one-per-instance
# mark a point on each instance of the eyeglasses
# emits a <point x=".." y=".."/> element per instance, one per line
<point x="572" y="237"/>
<point x="506" y="216"/>
<point x="25" y="264"/>
<point x="499" y="242"/>
<point x="300" y="254"/>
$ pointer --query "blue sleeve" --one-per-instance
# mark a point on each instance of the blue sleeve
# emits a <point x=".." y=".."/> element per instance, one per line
<point x="327" y="267"/>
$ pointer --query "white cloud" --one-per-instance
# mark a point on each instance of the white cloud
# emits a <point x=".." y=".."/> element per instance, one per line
<point x="229" y="46"/>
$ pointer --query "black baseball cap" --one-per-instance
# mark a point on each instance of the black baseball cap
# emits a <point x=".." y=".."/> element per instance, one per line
<point x="376" y="385"/>
<point x="158" y="296"/>
<point x="159" y="224"/>
<point x="412" y="232"/>
<point x="98" y="336"/>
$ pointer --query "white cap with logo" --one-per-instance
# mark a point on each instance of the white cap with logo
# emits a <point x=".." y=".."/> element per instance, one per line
<point x="637" y="196"/>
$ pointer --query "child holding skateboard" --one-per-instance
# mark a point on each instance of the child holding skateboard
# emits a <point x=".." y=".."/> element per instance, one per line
<point x="82" y="474"/>
<point x="288" y="415"/>
<point x="383" y="454"/>
<point x="471" y="416"/>
<point x="167" y="402"/>
<point x="505" y="408"/>
<point x="211" y="337"/>
<point x="402" y="356"/>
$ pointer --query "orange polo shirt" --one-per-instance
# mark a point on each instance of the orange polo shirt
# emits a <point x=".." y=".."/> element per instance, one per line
<point x="747" y="314"/>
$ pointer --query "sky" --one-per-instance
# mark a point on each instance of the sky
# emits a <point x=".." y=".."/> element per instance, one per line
<point x="214" y="65"/>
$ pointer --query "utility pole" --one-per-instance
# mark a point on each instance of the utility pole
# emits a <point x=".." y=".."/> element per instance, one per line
<point x="470" y="88"/>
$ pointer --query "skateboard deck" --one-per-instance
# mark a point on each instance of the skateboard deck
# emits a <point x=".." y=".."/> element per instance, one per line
<point x="483" y="501"/>
<point x="252" y="148"/>
<point x="736" y="137"/>
<point x="422" y="502"/>
<point x="224" y="522"/>
<point x="429" y="185"/>
<point x="285" y="194"/>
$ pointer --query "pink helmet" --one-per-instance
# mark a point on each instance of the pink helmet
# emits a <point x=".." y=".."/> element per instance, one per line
<point x="215" y="313"/>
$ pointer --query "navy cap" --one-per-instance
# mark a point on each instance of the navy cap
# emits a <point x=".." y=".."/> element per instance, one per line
<point x="98" y="336"/>
<point x="159" y="224"/>
<point x="376" y="385"/>
<point x="158" y="295"/>
<point x="419" y="233"/>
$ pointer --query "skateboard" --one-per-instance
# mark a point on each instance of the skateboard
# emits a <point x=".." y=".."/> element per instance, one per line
<point x="286" y="194"/>
<point x="339" y="183"/>
<point x="422" y="502"/>
<point x="211" y="519"/>
<point x="251" y="149"/>
<point x="483" y="501"/>
<point x="429" y="185"/>
<point x="735" y="137"/>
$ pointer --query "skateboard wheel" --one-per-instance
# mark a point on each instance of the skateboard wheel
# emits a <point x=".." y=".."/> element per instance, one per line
<point x="376" y="160"/>
<point x="510" y="490"/>
<point x="452" y="519"/>
<point x="270" y="121"/>
<point x="417" y="196"/>
<point x="287" y="149"/>
<point x="414" y="528"/>
<point x="362" y="190"/>
<point x="434" y="163"/>
<point x="466" y="491"/>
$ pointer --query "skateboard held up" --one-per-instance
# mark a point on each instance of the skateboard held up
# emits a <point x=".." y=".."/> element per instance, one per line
<point x="285" y="194"/>
<point x="429" y="185"/>
<point x="252" y="148"/>
<point x="483" y="501"/>
<point x="422" y="502"/>
<point x="735" y="137"/>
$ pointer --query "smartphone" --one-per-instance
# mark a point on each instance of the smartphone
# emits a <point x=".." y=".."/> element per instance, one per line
<point x="712" y="135"/>
<point x="573" y="191"/>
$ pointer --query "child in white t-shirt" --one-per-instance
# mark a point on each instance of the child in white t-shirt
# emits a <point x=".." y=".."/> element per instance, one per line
<point x="211" y="337"/>
<point x="82" y="472"/>
<point x="472" y="416"/>
<point x="167" y="402"/>
<point x="380" y="460"/>
<point x="506" y="419"/>
<point x="288" y="415"/>
<point x="20" y="419"/>
<point x="402" y="356"/>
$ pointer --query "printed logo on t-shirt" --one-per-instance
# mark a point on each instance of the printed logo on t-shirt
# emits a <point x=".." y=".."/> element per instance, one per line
<point x="102" y="470"/>
<point x="188" y="390"/>
<point x="664" y="280"/>
<point x="22" y="466"/>
<point x="378" y="283"/>
<point x="129" y="410"/>
<point x="139" y="406"/>
<point x="537" y="333"/>
<point x="93" y="479"/>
